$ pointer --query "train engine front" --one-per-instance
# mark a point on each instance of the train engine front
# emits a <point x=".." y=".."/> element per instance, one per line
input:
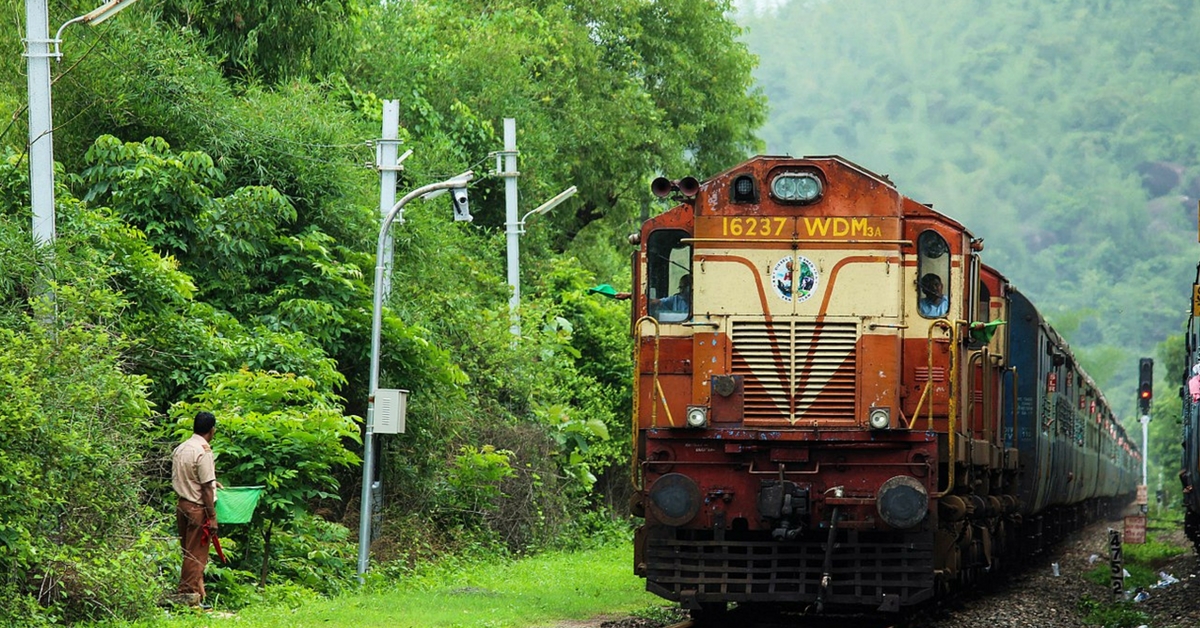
<point x="798" y="366"/>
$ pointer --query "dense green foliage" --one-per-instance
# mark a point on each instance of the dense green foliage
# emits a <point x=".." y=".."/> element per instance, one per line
<point x="605" y="95"/>
<point x="75" y="533"/>
<point x="216" y="251"/>
<point x="280" y="432"/>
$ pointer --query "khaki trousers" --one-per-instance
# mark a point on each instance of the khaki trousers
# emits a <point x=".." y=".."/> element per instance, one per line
<point x="190" y="520"/>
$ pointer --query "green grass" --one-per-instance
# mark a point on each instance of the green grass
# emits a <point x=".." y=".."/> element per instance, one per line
<point x="1141" y="561"/>
<point x="1118" y="615"/>
<point x="538" y="591"/>
<point x="1139" y="575"/>
<point x="1153" y="552"/>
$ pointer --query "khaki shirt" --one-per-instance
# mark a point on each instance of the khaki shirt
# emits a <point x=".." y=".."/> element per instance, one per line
<point x="192" y="467"/>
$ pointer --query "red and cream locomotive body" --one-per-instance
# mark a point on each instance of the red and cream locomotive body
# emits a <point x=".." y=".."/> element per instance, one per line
<point x="849" y="409"/>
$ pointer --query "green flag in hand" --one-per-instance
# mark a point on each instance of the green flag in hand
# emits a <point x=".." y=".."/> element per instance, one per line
<point x="983" y="332"/>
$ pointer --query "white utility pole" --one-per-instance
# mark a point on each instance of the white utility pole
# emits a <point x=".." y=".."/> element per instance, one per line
<point x="1145" y="447"/>
<point x="389" y="165"/>
<point x="39" y="49"/>
<point x="38" y="52"/>
<point x="512" y="226"/>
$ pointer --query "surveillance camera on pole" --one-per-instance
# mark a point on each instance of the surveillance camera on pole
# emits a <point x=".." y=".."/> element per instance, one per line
<point x="462" y="210"/>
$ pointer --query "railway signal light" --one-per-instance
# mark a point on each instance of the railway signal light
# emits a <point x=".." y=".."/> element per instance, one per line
<point x="1145" y="384"/>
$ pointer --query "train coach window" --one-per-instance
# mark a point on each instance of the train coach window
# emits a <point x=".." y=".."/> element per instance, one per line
<point x="669" y="276"/>
<point x="933" y="272"/>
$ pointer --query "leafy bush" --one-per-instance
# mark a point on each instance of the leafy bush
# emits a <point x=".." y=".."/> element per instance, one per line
<point x="100" y="578"/>
<point x="473" y="480"/>
<point x="279" y="431"/>
<point x="73" y="429"/>
<point x="596" y="527"/>
<point x="313" y="558"/>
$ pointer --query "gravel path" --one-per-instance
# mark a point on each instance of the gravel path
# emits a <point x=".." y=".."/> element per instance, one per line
<point x="1038" y="598"/>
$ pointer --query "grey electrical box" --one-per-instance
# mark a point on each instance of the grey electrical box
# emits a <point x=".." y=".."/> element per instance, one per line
<point x="391" y="406"/>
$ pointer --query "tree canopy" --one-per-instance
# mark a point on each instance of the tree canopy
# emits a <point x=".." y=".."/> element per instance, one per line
<point x="216" y="248"/>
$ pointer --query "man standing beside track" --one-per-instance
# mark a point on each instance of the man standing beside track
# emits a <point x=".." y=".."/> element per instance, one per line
<point x="194" y="478"/>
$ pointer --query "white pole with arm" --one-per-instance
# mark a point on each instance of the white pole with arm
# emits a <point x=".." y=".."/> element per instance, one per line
<point x="39" y="49"/>
<point x="41" y="137"/>
<point x="368" y="465"/>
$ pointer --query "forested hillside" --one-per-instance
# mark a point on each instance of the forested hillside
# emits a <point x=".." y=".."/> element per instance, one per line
<point x="1062" y="132"/>
<point x="216" y="232"/>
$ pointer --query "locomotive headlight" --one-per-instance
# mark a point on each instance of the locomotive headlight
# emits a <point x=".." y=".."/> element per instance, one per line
<point x="879" y="419"/>
<point x="697" y="416"/>
<point x="902" y="502"/>
<point x="796" y="187"/>
<point x="674" y="499"/>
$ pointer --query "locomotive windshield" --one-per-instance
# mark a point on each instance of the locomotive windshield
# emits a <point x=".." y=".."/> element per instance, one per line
<point x="933" y="269"/>
<point x="669" y="276"/>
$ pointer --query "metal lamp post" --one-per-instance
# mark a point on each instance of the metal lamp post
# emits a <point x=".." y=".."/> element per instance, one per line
<point x="39" y="49"/>
<point x="506" y="168"/>
<point x="514" y="255"/>
<point x="547" y="206"/>
<point x="364" y="524"/>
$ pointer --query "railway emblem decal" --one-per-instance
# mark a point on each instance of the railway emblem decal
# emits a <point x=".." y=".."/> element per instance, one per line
<point x="794" y="276"/>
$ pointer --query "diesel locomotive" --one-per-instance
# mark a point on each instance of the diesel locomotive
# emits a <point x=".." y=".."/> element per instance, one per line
<point x="839" y="406"/>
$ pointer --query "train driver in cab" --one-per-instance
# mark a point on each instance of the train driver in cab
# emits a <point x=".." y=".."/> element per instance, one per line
<point x="679" y="303"/>
<point x="933" y="302"/>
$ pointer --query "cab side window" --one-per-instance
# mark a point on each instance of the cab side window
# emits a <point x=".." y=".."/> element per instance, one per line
<point x="669" y="276"/>
<point x="985" y="304"/>
<point x="933" y="275"/>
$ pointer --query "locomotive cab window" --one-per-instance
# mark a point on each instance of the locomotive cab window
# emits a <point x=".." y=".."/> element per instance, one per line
<point x="933" y="274"/>
<point x="669" y="276"/>
<point x="985" y="304"/>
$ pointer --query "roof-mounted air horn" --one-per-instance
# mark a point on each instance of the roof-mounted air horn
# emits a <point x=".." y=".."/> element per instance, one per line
<point x="688" y="187"/>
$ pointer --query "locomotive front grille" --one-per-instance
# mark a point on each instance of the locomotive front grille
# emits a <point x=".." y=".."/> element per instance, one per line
<point x="864" y="570"/>
<point x="796" y="371"/>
